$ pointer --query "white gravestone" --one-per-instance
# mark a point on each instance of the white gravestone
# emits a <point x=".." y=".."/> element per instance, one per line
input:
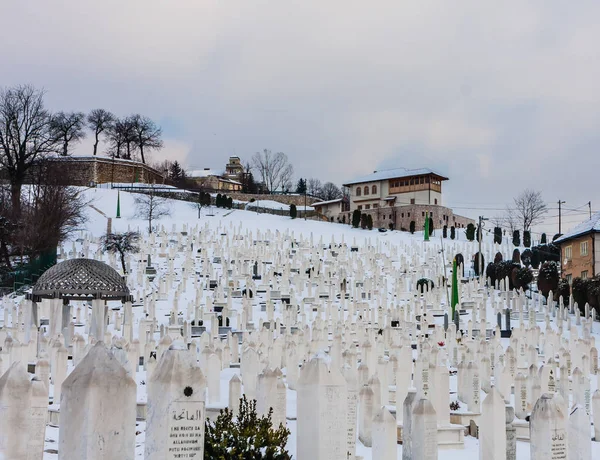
<point x="580" y="444"/>
<point x="98" y="410"/>
<point x="424" y="431"/>
<point x="15" y="402"/>
<point x="492" y="433"/>
<point x="384" y="435"/>
<point x="547" y="430"/>
<point x="322" y="401"/>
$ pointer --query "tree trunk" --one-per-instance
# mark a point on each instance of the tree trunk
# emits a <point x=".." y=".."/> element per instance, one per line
<point x="96" y="145"/>
<point x="15" y="192"/>
<point x="123" y="263"/>
<point x="142" y="154"/>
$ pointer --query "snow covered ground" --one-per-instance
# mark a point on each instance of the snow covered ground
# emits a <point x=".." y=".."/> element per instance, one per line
<point x="221" y="228"/>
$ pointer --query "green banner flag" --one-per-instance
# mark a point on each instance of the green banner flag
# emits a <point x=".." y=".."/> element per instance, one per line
<point x="426" y="233"/>
<point x="454" y="300"/>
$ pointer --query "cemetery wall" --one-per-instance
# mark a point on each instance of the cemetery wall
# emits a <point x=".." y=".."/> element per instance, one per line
<point x="298" y="200"/>
<point x="82" y="171"/>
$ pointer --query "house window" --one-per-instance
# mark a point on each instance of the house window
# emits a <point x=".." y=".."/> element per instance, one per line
<point x="427" y="180"/>
<point x="366" y="189"/>
<point x="568" y="253"/>
<point x="403" y="215"/>
<point x="409" y="214"/>
<point x="422" y="180"/>
<point x="358" y="190"/>
<point x="368" y="206"/>
<point x="375" y="205"/>
<point x="412" y="201"/>
<point x="435" y="201"/>
<point x="360" y="207"/>
<point x="570" y="279"/>
<point x="374" y="189"/>
<point x="584" y="275"/>
<point x="423" y="214"/>
<point x="583" y="249"/>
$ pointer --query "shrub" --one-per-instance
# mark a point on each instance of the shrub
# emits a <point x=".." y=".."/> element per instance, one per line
<point x="490" y="272"/>
<point x="460" y="261"/>
<point x="543" y="239"/>
<point x="246" y="436"/>
<point x="356" y="218"/>
<point x="556" y="236"/>
<point x="522" y="277"/>
<point x="219" y="200"/>
<point x="343" y="218"/>
<point x="516" y="238"/>
<point x="430" y="226"/>
<point x="423" y="284"/>
<point x="476" y="263"/>
<point x="564" y="291"/>
<point x="497" y="235"/>
<point x="369" y="221"/>
<point x="293" y="211"/>
<point x="411" y="227"/>
<point x="452" y="232"/>
<point x="498" y="257"/>
<point x="526" y="257"/>
<point x="548" y="279"/>
<point x="470" y="232"/>
<point x="579" y="289"/>
<point x="535" y="257"/>
<point x="516" y="257"/>
<point x="363" y="221"/>
<point x="527" y="238"/>
<point x="445" y="231"/>
<point x="229" y="202"/>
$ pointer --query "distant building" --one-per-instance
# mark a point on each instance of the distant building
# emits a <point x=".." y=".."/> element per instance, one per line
<point x="395" y="197"/>
<point x="580" y="250"/>
<point x="229" y="179"/>
<point x="332" y="209"/>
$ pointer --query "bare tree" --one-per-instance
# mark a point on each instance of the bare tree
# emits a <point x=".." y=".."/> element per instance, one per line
<point x="68" y="129"/>
<point x="529" y="208"/>
<point x="146" y="135"/>
<point x="121" y="138"/>
<point x="121" y="243"/>
<point x="330" y="191"/>
<point x="151" y="207"/>
<point x="313" y="187"/>
<point x="274" y="169"/>
<point x="99" y="121"/>
<point x="25" y="135"/>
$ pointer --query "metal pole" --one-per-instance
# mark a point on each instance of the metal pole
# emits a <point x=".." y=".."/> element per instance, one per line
<point x="304" y="200"/>
<point x="590" y="206"/>
<point x="560" y="216"/>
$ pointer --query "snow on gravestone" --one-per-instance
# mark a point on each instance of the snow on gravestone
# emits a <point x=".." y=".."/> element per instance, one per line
<point x="176" y="407"/>
<point x="321" y="402"/>
<point x="492" y="434"/>
<point x="547" y="430"/>
<point x="97" y="410"/>
<point x="15" y="401"/>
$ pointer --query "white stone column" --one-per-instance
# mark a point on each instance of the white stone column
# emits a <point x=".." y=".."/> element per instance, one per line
<point x="492" y="431"/>
<point x="15" y="403"/>
<point x="98" y="410"/>
<point x="384" y="436"/>
<point x="424" y="431"/>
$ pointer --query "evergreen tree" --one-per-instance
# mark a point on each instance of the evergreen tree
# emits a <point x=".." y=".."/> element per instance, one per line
<point x="445" y="231"/>
<point x="516" y="238"/>
<point x="363" y="221"/>
<point x="412" y="226"/>
<point x="430" y="226"/>
<point x="248" y="184"/>
<point x="301" y="187"/>
<point x="229" y="202"/>
<point x="470" y="232"/>
<point x="452" y="232"/>
<point x="527" y="238"/>
<point x="497" y="235"/>
<point x="543" y="239"/>
<point x="476" y="263"/>
<point x="246" y="436"/>
<point x="369" y="221"/>
<point x="293" y="210"/>
<point x="356" y="218"/>
<point x="175" y="172"/>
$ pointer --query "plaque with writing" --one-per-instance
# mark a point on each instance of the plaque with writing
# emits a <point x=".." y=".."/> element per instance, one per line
<point x="186" y="430"/>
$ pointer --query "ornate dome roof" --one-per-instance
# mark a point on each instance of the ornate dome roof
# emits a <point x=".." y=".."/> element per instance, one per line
<point x="81" y="279"/>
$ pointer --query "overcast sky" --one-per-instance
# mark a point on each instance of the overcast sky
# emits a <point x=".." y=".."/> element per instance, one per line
<point x="497" y="96"/>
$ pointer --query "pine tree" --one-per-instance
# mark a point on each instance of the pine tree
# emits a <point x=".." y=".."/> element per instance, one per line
<point x="412" y="226"/>
<point x="445" y="231"/>
<point x="369" y="221"/>
<point x="516" y="238"/>
<point x="470" y="232"/>
<point x="363" y="221"/>
<point x="430" y="226"/>
<point x="301" y="187"/>
<point x="452" y="232"/>
<point x="356" y="218"/>
<point x="229" y="202"/>
<point x="527" y="239"/>
<point x="543" y="239"/>
<point x="497" y="235"/>
<point x="293" y="210"/>
<point x="175" y="172"/>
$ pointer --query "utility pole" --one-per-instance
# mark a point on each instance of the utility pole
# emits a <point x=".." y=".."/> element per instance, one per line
<point x="560" y="216"/>
<point x="480" y="238"/>
<point x="305" y="200"/>
<point x="590" y="206"/>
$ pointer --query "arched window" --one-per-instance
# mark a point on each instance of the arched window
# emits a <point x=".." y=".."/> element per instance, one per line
<point x="366" y="189"/>
<point x="358" y="189"/>
<point x="374" y="190"/>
